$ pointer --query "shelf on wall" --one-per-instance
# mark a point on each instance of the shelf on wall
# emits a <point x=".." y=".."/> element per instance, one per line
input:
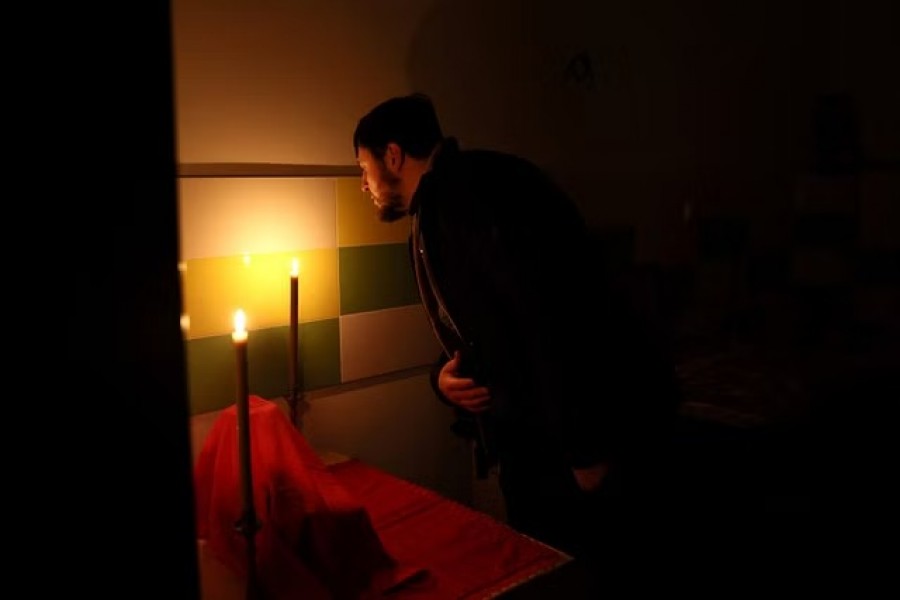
<point x="265" y="170"/>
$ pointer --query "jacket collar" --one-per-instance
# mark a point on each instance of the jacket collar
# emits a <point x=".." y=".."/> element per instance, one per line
<point x="444" y="153"/>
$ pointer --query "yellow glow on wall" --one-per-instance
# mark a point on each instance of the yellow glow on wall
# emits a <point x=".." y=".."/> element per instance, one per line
<point x="215" y="287"/>
<point x="255" y="216"/>
<point x="357" y="224"/>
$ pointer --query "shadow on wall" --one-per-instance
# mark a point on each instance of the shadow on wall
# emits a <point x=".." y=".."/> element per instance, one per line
<point x="493" y="72"/>
<point x="610" y="95"/>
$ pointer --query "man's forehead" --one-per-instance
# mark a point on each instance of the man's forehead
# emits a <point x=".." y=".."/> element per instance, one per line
<point x="363" y="155"/>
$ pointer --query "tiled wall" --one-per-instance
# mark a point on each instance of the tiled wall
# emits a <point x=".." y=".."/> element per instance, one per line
<point x="359" y="313"/>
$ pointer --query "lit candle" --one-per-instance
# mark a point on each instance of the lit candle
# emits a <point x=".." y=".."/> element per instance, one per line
<point x="294" y="324"/>
<point x="239" y="337"/>
<point x="240" y="326"/>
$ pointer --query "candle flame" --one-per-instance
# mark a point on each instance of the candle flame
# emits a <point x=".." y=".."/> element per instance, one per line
<point x="247" y="259"/>
<point x="240" y="326"/>
<point x="295" y="267"/>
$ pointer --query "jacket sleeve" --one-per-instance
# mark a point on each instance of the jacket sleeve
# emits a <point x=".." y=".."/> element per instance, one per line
<point x="600" y="384"/>
<point x="465" y="424"/>
<point x="535" y="256"/>
<point x="435" y="372"/>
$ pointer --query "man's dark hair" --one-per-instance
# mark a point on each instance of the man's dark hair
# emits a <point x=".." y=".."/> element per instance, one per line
<point x="409" y="121"/>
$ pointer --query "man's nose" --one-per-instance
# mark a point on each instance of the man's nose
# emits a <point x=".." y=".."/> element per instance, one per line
<point x="365" y="185"/>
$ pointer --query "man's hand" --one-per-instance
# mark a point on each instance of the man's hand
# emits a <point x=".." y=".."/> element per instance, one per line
<point x="464" y="392"/>
<point x="590" y="478"/>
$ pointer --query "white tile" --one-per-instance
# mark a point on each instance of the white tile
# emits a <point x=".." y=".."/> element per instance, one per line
<point x="233" y="216"/>
<point x="383" y="341"/>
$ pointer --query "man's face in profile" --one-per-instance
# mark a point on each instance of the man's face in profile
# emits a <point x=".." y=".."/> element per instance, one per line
<point x="383" y="185"/>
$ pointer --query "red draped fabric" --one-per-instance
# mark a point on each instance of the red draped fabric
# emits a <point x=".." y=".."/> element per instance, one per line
<point x="315" y="540"/>
<point x="348" y="531"/>
<point x="468" y="554"/>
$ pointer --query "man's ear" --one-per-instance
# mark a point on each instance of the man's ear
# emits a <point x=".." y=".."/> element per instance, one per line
<point x="393" y="156"/>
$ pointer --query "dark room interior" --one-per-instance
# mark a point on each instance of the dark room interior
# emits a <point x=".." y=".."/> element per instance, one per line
<point x="787" y="350"/>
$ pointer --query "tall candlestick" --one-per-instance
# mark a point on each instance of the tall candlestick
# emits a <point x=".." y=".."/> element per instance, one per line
<point x="247" y="524"/>
<point x="294" y="342"/>
<point x="239" y="337"/>
<point x="295" y="317"/>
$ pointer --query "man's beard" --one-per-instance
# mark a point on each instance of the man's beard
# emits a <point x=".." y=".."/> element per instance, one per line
<point x="392" y="210"/>
<point x="390" y="207"/>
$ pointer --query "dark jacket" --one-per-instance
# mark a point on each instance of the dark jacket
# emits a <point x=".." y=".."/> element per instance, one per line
<point x="504" y="250"/>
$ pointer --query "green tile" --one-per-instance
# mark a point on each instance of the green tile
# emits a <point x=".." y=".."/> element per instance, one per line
<point x="320" y="354"/>
<point x="268" y="356"/>
<point x="212" y="369"/>
<point x="376" y="277"/>
<point x="211" y="373"/>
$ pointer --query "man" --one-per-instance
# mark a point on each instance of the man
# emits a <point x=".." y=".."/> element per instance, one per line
<point x="568" y="395"/>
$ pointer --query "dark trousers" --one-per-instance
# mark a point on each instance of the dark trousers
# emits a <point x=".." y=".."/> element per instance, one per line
<point x="622" y="531"/>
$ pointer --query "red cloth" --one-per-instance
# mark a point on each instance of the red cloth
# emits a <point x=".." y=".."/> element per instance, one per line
<point x="348" y="531"/>
<point x="469" y="555"/>
<point x="315" y="540"/>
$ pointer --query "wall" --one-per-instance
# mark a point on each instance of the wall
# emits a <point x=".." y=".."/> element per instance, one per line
<point x="359" y="313"/>
<point x="642" y="109"/>
<point x="272" y="83"/>
<point x="365" y="344"/>
<point x="269" y="81"/>
<point x="653" y="114"/>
